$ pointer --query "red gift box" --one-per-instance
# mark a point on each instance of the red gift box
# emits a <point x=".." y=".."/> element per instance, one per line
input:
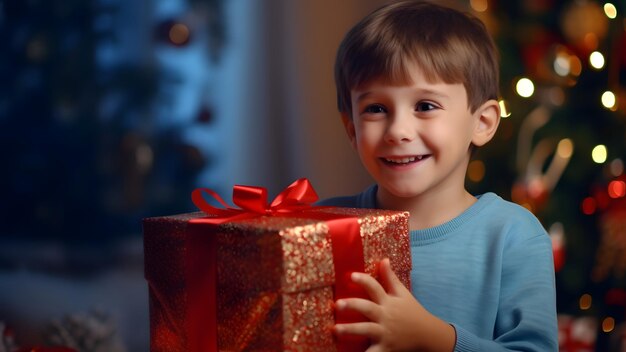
<point x="264" y="277"/>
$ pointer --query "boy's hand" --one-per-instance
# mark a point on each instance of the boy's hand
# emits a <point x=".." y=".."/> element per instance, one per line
<point x="398" y="322"/>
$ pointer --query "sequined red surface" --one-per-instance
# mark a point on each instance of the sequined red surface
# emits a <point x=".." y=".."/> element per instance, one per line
<point x="275" y="277"/>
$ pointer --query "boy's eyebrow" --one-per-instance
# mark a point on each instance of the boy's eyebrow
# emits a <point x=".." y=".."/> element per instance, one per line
<point x="365" y="94"/>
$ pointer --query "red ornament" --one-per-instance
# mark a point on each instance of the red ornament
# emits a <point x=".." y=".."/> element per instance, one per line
<point x="577" y="334"/>
<point x="532" y="194"/>
<point x="559" y="257"/>
<point x="611" y="253"/>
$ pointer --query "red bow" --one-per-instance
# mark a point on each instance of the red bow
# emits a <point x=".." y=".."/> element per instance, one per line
<point x="253" y="201"/>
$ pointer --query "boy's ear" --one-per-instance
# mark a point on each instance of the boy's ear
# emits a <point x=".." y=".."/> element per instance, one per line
<point x="348" y="124"/>
<point x="488" y="119"/>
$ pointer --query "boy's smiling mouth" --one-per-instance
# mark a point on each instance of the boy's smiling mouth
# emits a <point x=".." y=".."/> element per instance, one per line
<point x="404" y="160"/>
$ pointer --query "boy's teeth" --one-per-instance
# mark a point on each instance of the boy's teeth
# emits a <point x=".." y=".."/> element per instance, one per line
<point x="403" y="160"/>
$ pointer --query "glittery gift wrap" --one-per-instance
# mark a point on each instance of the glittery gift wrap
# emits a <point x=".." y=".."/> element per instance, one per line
<point x="274" y="281"/>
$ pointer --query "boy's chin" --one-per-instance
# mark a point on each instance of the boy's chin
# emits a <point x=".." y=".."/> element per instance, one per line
<point x="402" y="192"/>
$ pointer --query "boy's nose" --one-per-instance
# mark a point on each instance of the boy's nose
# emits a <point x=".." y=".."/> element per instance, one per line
<point x="400" y="130"/>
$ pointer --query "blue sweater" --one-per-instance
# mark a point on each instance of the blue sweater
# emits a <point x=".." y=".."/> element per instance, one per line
<point x="489" y="272"/>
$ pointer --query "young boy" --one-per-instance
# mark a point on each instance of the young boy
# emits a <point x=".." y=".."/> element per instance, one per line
<point x="417" y="88"/>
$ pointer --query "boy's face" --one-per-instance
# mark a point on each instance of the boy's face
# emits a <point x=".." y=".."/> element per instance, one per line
<point x="414" y="139"/>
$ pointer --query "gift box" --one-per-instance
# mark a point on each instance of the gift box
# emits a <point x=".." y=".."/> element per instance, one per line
<point x="264" y="276"/>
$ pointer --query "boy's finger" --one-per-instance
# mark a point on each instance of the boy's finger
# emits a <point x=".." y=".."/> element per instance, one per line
<point x="367" y="308"/>
<point x="375" y="348"/>
<point x="388" y="277"/>
<point x="371" y="330"/>
<point x="372" y="287"/>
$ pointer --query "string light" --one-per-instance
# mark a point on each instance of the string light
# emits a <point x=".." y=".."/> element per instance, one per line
<point x="589" y="206"/>
<point x="596" y="59"/>
<point x="608" y="324"/>
<point x="598" y="154"/>
<point x="608" y="100"/>
<point x="525" y="87"/>
<point x="585" y="301"/>
<point x="617" y="189"/>
<point x="610" y="10"/>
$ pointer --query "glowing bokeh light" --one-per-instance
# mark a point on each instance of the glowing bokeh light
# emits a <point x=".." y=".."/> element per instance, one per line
<point x="479" y="5"/>
<point x="617" y="189"/>
<point x="610" y="10"/>
<point x="596" y="59"/>
<point x="599" y="153"/>
<point x="179" y="34"/>
<point x="565" y="148"/>
<point x="585" y="301"/>
<point x="561" y="65"/>
<point x="576" y="67"/>
<point x="589" y="205"/>
<point x="476" y="170"/>
<point x="617" y="167"/>
<point x="525" y="87"/>
<point x="608" y="100"/>
<point x="608" y="324"/>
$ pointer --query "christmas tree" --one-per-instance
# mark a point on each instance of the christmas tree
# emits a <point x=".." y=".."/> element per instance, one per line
<point x="560" y="148"/>
<point x="82" y="152"/>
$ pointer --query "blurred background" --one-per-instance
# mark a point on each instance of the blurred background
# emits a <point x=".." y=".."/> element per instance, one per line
<point x="112" y="111"/>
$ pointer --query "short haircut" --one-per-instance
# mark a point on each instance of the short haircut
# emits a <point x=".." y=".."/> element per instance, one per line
<point x="448" y="45"/>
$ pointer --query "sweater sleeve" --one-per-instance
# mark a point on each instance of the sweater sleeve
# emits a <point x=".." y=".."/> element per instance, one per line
<point x="526" y="318"/>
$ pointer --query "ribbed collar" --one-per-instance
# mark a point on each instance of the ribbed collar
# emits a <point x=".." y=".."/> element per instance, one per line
<point x="439" y="232"/>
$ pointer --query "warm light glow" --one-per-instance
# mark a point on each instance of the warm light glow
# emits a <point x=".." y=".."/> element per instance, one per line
<point x="608" y="324"/>
<point x="479" y="5"/>
<point x="608" y="100"/>
<point x="589" y="206"/>
<point x="504" y="109"/>
<point x="610" y="10"/>
<point x="565" y="148"/>
<point x="596" y="59"/>
<point x="561" y="65"/>
<point x="585" y="301"/>
<point x="617" y="167"/>
<point x="525" y="87"/>
<point x="617" y="189"/>
<point x="476" y="170"/>
<point x="576" y="67"/>
<point x="179" y="34"/>
<point x="598" y="154"/>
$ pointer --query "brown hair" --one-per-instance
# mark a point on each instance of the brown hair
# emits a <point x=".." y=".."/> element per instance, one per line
<point x="446" y="44"/>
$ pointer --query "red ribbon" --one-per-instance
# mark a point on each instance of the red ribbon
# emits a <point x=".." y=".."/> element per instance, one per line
<point x="253" y="202"/>
<point x="295" y="200"/>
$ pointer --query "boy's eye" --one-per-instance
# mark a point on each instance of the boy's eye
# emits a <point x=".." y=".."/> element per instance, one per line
<point x="425" y="106"/>
<point x="375" y="109"/>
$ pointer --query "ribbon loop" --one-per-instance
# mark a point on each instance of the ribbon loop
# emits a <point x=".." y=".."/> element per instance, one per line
<point x="297" y="194"/>
<point x="252" y="200"/>
<point x="202" y="204"/>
